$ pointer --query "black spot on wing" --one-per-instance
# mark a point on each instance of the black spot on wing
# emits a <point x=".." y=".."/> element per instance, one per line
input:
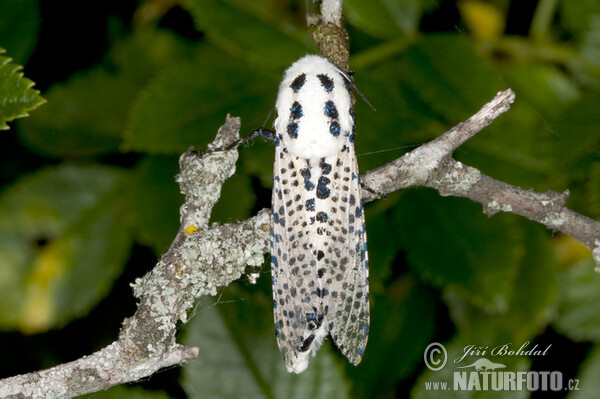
<point x="330" y="110"/>
<point x="322" y="189"/>
<point x="296" y="110"/>
<point x="292" y="129"/>
<point x="306" y="344"/>
<point x="332" y="113"/>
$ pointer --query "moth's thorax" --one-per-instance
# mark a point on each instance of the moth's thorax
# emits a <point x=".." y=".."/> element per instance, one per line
<point x="314" y="109"/>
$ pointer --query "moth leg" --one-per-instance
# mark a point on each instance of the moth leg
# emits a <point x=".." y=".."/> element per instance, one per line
<point x="265" y="133"/>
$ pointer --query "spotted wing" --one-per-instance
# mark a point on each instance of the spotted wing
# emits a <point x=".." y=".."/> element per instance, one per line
<point x="348" y="298"/>
<point x="297" y="307"/>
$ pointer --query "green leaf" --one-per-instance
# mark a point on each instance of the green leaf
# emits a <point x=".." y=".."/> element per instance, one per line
<point x="517" y="148"/>
<point x="16" y="94"/>
<point x="577" y="129"/>
<point x="446" y="73"/>
<point x="155" y="200"/>
<point x="589" y="383"/>
<point x="239" y="354"/>
<point x="188" y="103"/>
<point x="528" y="149"/>
<point x="19" y="26"/>
<point x="579" y="306"/>
<point x="577" y="15"/>
<point x="586" y="68"/>
<point x="237" y="200"/>
<point x="62" y="244"/>
<point x="401" y="119"/>
<point x="256" y="30"/>
<point x="402" y="325"/>
<point x="545" y="87"/>
<point x="87" y="114"/>
<point x="452" y="244"/>
<point x="593" y="191"/>
<point x="384" y="19"/>
<point x="120" y="391"/>
<point x="383" y="244"/>
<point x="532" y="300"/>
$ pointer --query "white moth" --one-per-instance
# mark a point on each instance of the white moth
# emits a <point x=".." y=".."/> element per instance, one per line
<point x="318" y="242"/>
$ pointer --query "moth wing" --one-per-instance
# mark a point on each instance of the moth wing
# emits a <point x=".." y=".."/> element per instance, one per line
<point x="348" y="314"/>
<point x="293" y="301"/>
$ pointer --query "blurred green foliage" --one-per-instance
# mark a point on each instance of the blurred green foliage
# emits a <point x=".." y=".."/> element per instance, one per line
<point x="440" y="270"/>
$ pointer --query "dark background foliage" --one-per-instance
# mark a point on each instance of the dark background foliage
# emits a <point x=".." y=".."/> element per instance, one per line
<point x="88" y="201"/>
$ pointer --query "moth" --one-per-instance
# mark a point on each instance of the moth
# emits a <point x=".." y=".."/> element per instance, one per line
<point x="319" y="261"/>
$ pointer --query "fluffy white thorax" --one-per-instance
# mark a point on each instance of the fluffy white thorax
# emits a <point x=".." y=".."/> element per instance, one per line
<point x="314" y="138"/>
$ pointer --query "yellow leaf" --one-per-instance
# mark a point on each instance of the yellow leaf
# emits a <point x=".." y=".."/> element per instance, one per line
<point x="484" y="20"/>
<point x="569" y="251"/>
<point x="37" y="314"/>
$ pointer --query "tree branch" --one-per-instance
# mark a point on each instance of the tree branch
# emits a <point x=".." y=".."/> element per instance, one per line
<point x="201" y="259"/>
<point x="431" y="165"/>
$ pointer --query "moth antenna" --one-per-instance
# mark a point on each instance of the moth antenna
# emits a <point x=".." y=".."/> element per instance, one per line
<point x="356" y="89"/>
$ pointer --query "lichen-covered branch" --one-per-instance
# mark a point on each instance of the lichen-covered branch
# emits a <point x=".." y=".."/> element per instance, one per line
<point x="329" y="34"/>
<point x="199" y="260"/>
<point x="431" y="165"/>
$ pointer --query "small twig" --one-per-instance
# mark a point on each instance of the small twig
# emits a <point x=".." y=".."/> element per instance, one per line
<point x="331" y="12"/>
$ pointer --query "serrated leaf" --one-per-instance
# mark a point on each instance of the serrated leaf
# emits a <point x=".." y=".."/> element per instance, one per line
<point x="579" y="306"/>
<point x="188" y="103"/>
<point x="155" y="200"/>
<point x="588" y="384"/>
<point x="19" y="25"/>
<point x="87" y="114"/>
<point x="452" y="244"/>
<point x="384" y="18"/>
<point x="255" y="30"/>
<point x="17" y="97"/>
<point x="239" y="356"/>
<point x="62" y="244"/>
<point x="402" y="325"/>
